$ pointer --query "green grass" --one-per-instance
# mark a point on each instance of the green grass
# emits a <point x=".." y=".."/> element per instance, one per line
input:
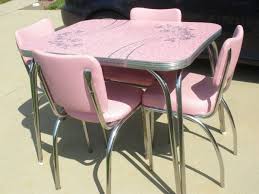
<point x="3" y="1"/>
<point x="56" y="4"/>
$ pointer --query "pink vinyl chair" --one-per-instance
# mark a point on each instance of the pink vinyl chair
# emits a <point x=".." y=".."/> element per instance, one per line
<point x="140" y="13"/>
<point x="202" y="95"/>
<point x="84" y="95"/>
<point x="139" y="77"/>
<point x="33" y="33"/>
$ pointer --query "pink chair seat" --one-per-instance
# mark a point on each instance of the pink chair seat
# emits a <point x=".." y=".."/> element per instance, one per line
<point x="138" y="77"/>
<point x="122" y="99"/>
<point x="199" y="94"/>
<point x="76" y="83"/>
<point x="33" y="34"/>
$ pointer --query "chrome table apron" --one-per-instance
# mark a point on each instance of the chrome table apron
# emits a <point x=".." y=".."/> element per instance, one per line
<point x="147" y="45"/>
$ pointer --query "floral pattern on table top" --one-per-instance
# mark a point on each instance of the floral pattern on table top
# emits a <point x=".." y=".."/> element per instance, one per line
<point x="70" y="37"/>
<point x="176" y="32"/>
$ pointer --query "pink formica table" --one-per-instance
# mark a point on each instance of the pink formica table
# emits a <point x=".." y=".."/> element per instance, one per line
<point x="148" y="45"/>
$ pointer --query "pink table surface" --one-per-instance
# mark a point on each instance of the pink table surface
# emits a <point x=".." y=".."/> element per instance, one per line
<point x="155" y="45"/>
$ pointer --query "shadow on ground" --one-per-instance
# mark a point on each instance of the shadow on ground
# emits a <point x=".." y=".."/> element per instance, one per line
<point x="129" y="143"/>
<point x="72" y="143"/>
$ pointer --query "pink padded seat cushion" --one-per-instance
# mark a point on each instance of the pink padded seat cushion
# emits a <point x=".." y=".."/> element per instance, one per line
<point x="198" y="94"/>
<point x="122" y="99"/>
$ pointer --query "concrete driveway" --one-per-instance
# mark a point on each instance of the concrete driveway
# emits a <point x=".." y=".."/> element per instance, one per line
<point x="82" y="172"/>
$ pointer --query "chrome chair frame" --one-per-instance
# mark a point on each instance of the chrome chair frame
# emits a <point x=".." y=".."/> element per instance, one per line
<point x="32" y="72"/>
<point x="113" y="127"/>
<point x="224" y="84"/>
<point x="213" y="57"/>
<point x="39" y="92"/>
<point x="61" y="115"/>
<point x="221" y="104"/>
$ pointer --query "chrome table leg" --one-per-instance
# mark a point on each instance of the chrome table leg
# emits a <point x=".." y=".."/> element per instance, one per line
<point x="172" y="132"/>
<point x="180" y="129"/>
<point x="147" y="136"/>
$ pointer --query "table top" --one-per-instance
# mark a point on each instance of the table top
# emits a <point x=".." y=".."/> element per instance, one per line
<point x="154" y="45"/>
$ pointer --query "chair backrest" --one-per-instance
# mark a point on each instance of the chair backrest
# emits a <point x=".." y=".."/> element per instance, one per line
<point x="232" y="45"/>
<point x="33" y="33"/>
<point x="139" y="13"/>
<point x="64" y="76"/>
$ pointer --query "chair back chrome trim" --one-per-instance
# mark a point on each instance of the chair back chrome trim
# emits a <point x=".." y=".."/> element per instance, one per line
<point x="90" y="87"/>
<point x="48" y="94"/>
<point x="221" y="87"/>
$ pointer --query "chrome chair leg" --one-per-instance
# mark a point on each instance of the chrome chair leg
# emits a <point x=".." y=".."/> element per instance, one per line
<point x="35" y="104"/>
<point x="152" y="125"/>
<point x="144" y="117"/>
<point x="234" y="131"/>
<point x="222" y="118"/>
<point x="215" y="145"/>
<point x="114" y="132"/>
<point x="40" y="91"/>
<point x="147" y="135"/>
<point x="110" y="144"/>
<point x="55" y="154"/>
<point x="90" y="150"/>
<point x="105" y="137"/>
<point x="40" y="96"/>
